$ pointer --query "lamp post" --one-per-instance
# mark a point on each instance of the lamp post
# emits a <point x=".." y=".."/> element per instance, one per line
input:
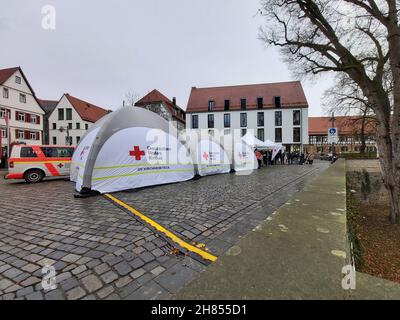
<point x="67" y="138"/>
<point x="333" y="119"/>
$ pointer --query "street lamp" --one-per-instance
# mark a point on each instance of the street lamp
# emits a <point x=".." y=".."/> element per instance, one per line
<point x="67" y="138"/>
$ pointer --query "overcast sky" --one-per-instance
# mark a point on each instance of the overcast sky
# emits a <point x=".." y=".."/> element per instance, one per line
<point x="102" y="49"/>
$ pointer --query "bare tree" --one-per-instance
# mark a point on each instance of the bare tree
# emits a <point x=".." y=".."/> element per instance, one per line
<point x="360" y="38"/>
<point x="131" y="97"/>
<point x="346" y="98"/>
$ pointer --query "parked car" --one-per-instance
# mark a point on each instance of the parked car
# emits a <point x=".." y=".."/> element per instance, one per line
<point x="34" y="163"/>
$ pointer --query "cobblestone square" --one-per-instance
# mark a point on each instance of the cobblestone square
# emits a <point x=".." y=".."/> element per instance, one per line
<point x="100" y="252"/>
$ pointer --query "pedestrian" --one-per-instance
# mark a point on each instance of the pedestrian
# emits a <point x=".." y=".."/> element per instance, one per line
<point x="259" y="158"/>
<point x="311" y="158"/>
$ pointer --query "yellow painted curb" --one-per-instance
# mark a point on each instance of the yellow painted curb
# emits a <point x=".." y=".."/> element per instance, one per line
<point x="205" y="255"/>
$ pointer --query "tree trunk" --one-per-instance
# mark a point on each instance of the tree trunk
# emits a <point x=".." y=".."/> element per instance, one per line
<point x="391" y="175"/>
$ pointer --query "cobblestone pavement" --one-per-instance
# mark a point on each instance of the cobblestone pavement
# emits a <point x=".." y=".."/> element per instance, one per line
<point x="100" y="252"/>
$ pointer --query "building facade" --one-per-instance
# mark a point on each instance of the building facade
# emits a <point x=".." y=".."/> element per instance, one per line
<point x="349" y="131"/>
<point x="18" y="102"/>
<point x="157" y="102"/>
<point x="70" y="120"/>
<point x="273" y="111"/>
<point x="48" y="106"/>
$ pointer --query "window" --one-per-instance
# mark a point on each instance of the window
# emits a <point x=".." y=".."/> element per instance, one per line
<point x="86" y="126"/>
<point x="243" y="104"/>
<point x="4" y="133"/>
<point x="296" y="118"/>
<point x="278" y="134"/>
<point x="227" y="120"/>
<point x="296" y="135"/>
<point x="260" y="119"/>
<point x="33" y="119"/>
<point x="22" y="98"/>
<point x="27" y="152"/>
<point x="277" y="102"/>
<point x="18" y="79"/>
<point x="54" y="140"/>
<point x="260" y="134"/>
<point x="5" y="93"/>
<point x="260" y="103"/>
<point x="20" y="134"/>
<point x="78" y="139"/>
<point x="52" y="152"/>
<point x="21" y="116"/>
<point x="78" y="126"/>
<point x="227" y="105"/>
<point x="70" y="125"/>
<point x="211" y="121"/>
<point x="195" y="121"/>
<point x="278" y="118"/>
<point x="54" y="126"/>
<point x="244" y="132"/>
<point x="60" y="114"/>
<point x="68" y="141"/>
<point x="211" y="105"/>
<point x="4" y="112"/>
<point x="243" y="119"/>
<point x="33" y="136"/>
<point x="69" y="114"/>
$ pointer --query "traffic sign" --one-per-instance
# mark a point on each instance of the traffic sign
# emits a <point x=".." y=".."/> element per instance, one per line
<point x="333" y="135"/>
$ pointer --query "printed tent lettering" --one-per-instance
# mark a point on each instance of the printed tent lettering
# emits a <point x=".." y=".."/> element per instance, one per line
<point x="129" y="148"/>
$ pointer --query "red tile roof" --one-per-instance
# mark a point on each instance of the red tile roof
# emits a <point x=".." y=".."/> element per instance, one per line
<point x="5" y="74"/>
<point x="87" y="111"/>
<point x="156" y="96"/>
<point x="346" y="125"/>
<point x="291" y="93"/>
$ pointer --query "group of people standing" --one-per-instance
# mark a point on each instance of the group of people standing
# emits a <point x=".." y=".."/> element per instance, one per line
<point x="264" y="158"/>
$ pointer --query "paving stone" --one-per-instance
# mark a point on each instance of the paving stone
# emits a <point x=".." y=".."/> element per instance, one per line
<point x="54" y="295"/>
<point x="91" y="283"/>
<point x="138" y="273"/>
<point x="105" y="292"/>
<point x="109" y="277"/>
<point x="79" y="270"/>
<point x="71" y="258"/>
<point x="34" y="296"/>
<point x="76" y="293"/>
<point x="30" y="268"/>
<point x="146" y="257"/>
<point x="136" y="263"/>
<point x="123" y="268"/>
<point x="5" y="283"/>
<point x="24" y="291"/>
<point x="157" y="271"/>
<point x="122" y="282"/>
<point x="102" y="268"/>
<point x="69" y="283"/>
<point x="30" y="281"/>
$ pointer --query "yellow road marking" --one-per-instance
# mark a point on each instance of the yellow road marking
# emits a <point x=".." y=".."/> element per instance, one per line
<point x="205" y="255"/>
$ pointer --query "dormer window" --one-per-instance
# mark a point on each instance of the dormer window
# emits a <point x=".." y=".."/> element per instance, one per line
<point x="243" y="104"/>
<point x="260" y="103"/>
<point x="277" y="102"/>
<point x="227" y="105"/>
<point x="211" y="105"/>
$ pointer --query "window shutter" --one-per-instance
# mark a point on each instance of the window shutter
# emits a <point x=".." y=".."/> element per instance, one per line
<point x="16" y="115"/>
<point x="16" y="133"/>
<point x="37" y="135"/>
<point x="27" y="135"/>
<point x="38" y="119"/>
<point x="27" y="117"/>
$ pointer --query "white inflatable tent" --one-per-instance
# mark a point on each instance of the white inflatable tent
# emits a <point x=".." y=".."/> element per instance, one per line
<point x="129" y="148"/>
<point x="209" y="157"/>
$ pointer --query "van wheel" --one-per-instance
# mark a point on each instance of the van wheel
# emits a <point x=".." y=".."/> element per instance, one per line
<point x="34" y="176"/>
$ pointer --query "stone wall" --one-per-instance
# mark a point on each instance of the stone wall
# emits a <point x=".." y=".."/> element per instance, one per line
<point x="357" y="180"/>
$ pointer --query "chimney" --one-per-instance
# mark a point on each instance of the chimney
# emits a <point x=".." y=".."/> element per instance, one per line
<point x="174" y="101"/>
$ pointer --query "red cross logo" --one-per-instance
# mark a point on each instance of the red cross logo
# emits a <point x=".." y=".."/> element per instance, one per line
<point x="205" y="156"/>
<point x="60" y="165"/>
<point x="137" y="153"/>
